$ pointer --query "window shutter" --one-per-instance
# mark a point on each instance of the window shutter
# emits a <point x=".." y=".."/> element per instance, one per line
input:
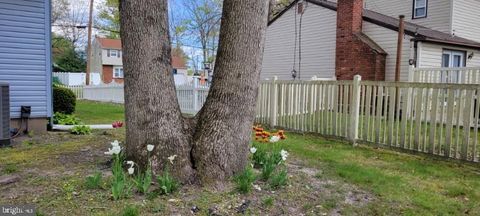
<point x="108" y="53"/>
<point x="119" y="54"/>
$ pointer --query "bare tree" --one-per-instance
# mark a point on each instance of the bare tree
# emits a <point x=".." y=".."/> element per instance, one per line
<point x="59" y="10"/>
<point x="213" y="145"/>
<point x="72" y="25"/>
<point x="203" y="22"/>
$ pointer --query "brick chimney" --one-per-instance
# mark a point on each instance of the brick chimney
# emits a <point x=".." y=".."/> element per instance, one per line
<point x="356" y="53"/>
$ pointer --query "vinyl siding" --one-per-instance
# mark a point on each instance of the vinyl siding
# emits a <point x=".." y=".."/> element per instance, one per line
<point x="466" y="19"/>
<point x="438" y="12"/>
<point x="25" y="55"/>
<point x="318" y="45"/>
<point x="431" y="55"/>
<point x="387" y="39"/>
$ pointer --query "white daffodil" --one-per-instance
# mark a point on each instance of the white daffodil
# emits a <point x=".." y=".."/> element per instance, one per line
<point x="150" y="148"/>
<point x="115" y="143"/>
<point x="171" y="158"/>
<point x="274" y="139"/>
<point x="284" y="154"/>
<point x="131" y="163"/>
<point x="131" y="170"/>
<point x="116" y="148"/>
<point x="253" y="150"/>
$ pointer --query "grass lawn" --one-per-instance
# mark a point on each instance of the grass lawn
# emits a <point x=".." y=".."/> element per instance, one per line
<point x="91" y="112"/>
<point x="326" y="177"/>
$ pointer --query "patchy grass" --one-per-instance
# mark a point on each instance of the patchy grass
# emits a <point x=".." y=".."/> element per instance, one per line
<point x="91" y="112"/>
<point x="404" y="183"/>
<point x="325" y="177"/>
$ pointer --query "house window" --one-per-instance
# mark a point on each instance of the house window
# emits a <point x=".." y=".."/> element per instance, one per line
<point x="420" y="8"/>
<point x="118" y="72"/>
<point x="175" y="71"/>
<point x="113" y="53"/>
<point x="452" y="59"/>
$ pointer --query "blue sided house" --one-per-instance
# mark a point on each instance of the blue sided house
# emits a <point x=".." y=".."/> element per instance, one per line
<point x="25" y="61"/>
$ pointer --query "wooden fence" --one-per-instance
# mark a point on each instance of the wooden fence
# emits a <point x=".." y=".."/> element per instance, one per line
<point x="439" y="119"/>
<point x="462" y="75"/>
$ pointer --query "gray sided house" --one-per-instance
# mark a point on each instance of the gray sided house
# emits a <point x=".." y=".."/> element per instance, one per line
<point x="25" y="64"/>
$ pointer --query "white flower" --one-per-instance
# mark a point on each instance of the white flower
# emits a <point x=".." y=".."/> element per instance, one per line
<point x="115" y="143"/>
<point x="150" y="148"/>
<point x="171" y="158"/>
<point x="131" y="163"/>
<point x="284" y="154"/>
<point x="257" y="187"/>
<point x="116" y="148"/>
<point x="131" y="170"/>
<point x="274" y="139"/>
<point x="253" y="150"/>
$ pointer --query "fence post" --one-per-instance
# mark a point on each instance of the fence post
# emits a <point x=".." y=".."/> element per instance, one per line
<point x="273" y="102"/>
<point x="355" y="109"/>
<point x="195" y="95"/>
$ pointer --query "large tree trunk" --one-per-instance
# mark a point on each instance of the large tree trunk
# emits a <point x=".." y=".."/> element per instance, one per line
<point x="214" y="145"/>
<point x="223" y="132"/>
<point x="151" y="109"/>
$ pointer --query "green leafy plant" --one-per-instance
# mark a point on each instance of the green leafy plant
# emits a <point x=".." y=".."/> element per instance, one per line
<point x="167" y="183"/>
<point x="120" y="186"/>
<point x="81" y="130"/>
<point x="94" y="181"/>
<point x="144" y="180"/>
<point x="279" y="179"/>
<point x="65" y="119"/>
<point x="130" y="210"/>
<point x="259" y="157"/>
<point x="244" y="180"/>
<point x="268" y="201"/>
<point x="270" y="163"/>
<point x="64" y="100"/>
<point x="10" y="168"/>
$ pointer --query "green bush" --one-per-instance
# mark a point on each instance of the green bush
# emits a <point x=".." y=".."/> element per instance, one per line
<point x="64" y="100"/>
<point x="81" y="130"/>
<point x="65" y="119"/>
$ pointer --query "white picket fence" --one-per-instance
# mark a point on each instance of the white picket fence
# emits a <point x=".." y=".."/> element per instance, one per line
<point x="76" y="78"/>
<point x="433" y="118"/>
<point x="463" y="75"/>
<point x="191" y="96"/>
<point x="77" y="90"/>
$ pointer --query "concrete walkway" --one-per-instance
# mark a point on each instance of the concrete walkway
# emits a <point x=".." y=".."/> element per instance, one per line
<point x="69" y="127"/>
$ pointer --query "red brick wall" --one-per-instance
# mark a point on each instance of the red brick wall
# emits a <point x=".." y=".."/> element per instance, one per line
<point x="107" y="75"/>
<point x="353" y="56"/>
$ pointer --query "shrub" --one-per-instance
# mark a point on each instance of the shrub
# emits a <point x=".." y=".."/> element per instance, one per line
<point x="94" y="181"/>
<point x="279" y="179"/>
<point x="64" y="100"/>
<point x="65" y="119"/>
<point x="167" y="183"/>
<point x="244" y="180"/>
<point x="81" y="130"/>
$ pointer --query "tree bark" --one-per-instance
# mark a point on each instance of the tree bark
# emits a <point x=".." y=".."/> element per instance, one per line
<point x="213" y="146"/>
<point x="152" y="112"/>
<point x="223" y="132"/>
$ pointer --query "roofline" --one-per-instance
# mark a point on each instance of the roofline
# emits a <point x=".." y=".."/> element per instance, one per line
<point x="376" y="22"/>
<point x="431" y="40"/>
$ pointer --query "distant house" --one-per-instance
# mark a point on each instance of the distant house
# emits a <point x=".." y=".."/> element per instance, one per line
<point x="107" y="60"/>
<point x="329" y="40"/>
<point x="25" y="64"/>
